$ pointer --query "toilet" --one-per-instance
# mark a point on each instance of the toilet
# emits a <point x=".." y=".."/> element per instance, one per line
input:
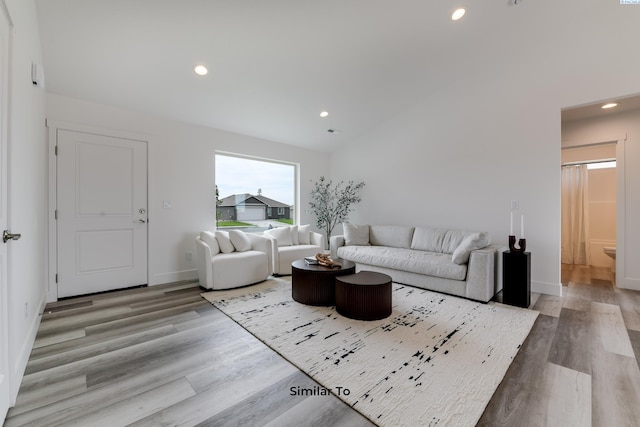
<point x="611" y="252"/>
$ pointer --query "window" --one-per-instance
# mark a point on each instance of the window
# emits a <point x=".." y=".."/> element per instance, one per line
<point x="601" y="165"/>
<point x="254" y="194"/>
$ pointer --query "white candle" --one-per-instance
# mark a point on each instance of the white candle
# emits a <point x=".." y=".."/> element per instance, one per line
<point x="522" y="226"/>
<point x="511" y="229"/>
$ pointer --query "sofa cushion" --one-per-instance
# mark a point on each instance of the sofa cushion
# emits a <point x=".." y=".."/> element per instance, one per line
<point x="421" y="262"/>
<point x="441" y="240"/>
<point x="303" y="234"/>
<point x="281" y="234"/>
<point x="355" y="234"/>
<point x="224" y="242"/>
<point x="239" y="240"/>
<point x="395" y="236"/>
<point x="470" y="243"/>
<point x="209" y="238"/>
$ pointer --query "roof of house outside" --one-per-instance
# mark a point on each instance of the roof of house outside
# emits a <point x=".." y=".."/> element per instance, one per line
<point x="239" y="199"/>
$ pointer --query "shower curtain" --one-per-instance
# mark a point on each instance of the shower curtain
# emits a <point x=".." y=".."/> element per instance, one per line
<point x="575" y="249"/>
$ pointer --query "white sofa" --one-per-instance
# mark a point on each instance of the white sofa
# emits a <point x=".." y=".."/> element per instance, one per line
<point x="232" y="259"/>
<point x="456" y="262"/>
<point x="291" y="243"/>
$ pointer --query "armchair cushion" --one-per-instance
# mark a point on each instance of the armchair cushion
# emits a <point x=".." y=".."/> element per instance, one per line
<point x="239" y="240"/>
<point x="291" y="243"/>
<point x="282" y="235"/>
<point x="224" y="242"/>
<point x="295" y="239"/>
<point x="210" y="239"/>
<point x="303" y="234"/>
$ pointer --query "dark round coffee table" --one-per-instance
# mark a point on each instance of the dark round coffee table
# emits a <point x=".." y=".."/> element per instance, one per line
<point x="364" y="296"/>
<point x="315" y="284"/>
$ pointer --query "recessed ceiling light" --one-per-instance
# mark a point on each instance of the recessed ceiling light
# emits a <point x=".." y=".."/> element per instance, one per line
<point x="457" y="14"/>
<point x="609" y="105"/>
<point x="324" y="114"/>
<point x="201" y="70"/>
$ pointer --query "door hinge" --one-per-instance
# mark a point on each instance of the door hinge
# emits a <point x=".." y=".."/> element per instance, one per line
<point x="55" y="214"/>
<point x="56" y="277"/>
<point x="55" y="150"/>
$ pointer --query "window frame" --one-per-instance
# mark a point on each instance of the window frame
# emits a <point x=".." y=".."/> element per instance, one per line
<point x="296" y="181"/>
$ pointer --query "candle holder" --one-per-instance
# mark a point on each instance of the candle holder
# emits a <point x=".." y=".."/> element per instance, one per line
<point x="512" y="245"/>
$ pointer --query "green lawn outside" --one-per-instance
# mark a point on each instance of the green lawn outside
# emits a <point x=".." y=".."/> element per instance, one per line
<point x="244" y="224"/>
<point x="234" y="224"/>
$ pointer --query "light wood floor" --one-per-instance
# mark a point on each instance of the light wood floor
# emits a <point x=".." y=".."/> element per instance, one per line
<point x="163" y="356"/>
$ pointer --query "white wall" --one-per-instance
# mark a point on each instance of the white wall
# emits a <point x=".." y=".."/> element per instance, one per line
<point x="459" y="157"/>
<point x="181" y="170"/>
<point x="27" y="197"/>
<point x="610" y="128"/>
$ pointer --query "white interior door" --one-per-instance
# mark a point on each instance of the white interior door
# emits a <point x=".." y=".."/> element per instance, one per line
<point x="5" y="388"/>
<point x="101" y="213"/>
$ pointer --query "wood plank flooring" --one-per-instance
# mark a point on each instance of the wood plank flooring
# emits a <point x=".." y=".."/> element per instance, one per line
<point x="580" y="364"/>
<point x="162" y="356"/>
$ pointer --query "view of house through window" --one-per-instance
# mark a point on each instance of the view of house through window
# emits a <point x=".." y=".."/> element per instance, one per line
<point x="254" y="195"/>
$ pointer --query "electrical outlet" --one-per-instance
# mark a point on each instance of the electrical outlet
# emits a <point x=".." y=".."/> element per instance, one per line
<point x="188" y="256"/>
<point x="515" y="205"/>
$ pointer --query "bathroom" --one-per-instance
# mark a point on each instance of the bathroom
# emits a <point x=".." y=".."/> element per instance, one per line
<point x="602" y="130"/>
<point x="589" y="208"/>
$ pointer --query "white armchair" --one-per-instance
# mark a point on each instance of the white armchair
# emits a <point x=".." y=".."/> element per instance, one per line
<point x="229" y="260"/>
<point x="291" y="243"/>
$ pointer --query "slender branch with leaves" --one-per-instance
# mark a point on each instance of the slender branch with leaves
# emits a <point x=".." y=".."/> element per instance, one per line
<point x="332" y="203"/>
<point x="218" y="203"/>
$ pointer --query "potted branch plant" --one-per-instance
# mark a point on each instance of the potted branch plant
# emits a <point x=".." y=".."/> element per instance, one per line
<point x="332" y="203"/>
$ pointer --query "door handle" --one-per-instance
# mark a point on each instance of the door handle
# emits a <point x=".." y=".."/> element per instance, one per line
<point x="141" y="221"/>
<point x="7" y="235"/>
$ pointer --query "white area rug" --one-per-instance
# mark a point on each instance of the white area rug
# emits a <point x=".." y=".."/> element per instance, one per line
<point x="436" y="360"/>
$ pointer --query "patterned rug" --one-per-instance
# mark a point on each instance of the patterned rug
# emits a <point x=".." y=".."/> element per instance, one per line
<point x="436" y="360"/>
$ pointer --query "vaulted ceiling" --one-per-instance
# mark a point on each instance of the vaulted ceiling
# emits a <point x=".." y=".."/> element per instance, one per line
<point x="273" y="65"/>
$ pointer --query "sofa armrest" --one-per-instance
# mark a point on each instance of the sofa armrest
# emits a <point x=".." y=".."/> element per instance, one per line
<point x="316" y="239"/>
<point x="334" y="243"/>
<point x="481" y="274"/>
<point x="264" y="244"/>
<point x="203" y="260"/>
<point x="275" y="255"/>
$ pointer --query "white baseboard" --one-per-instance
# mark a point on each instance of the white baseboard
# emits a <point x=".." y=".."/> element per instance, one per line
<point x="547" y="288"/>
<point x="173" y="276"/>
<point x="20" y="364"/>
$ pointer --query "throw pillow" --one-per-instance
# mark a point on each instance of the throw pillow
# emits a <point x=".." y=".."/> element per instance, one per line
<point x="295" y="240"/>
<point x="470" y="243"/>
<point x="281" y="234"/>
<point x="210" y="239"/>
<point x="239" y="240"/>
<point x="226" y="247"/>
<point x="303" y="234"/>
<point x="355" y="235"/>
